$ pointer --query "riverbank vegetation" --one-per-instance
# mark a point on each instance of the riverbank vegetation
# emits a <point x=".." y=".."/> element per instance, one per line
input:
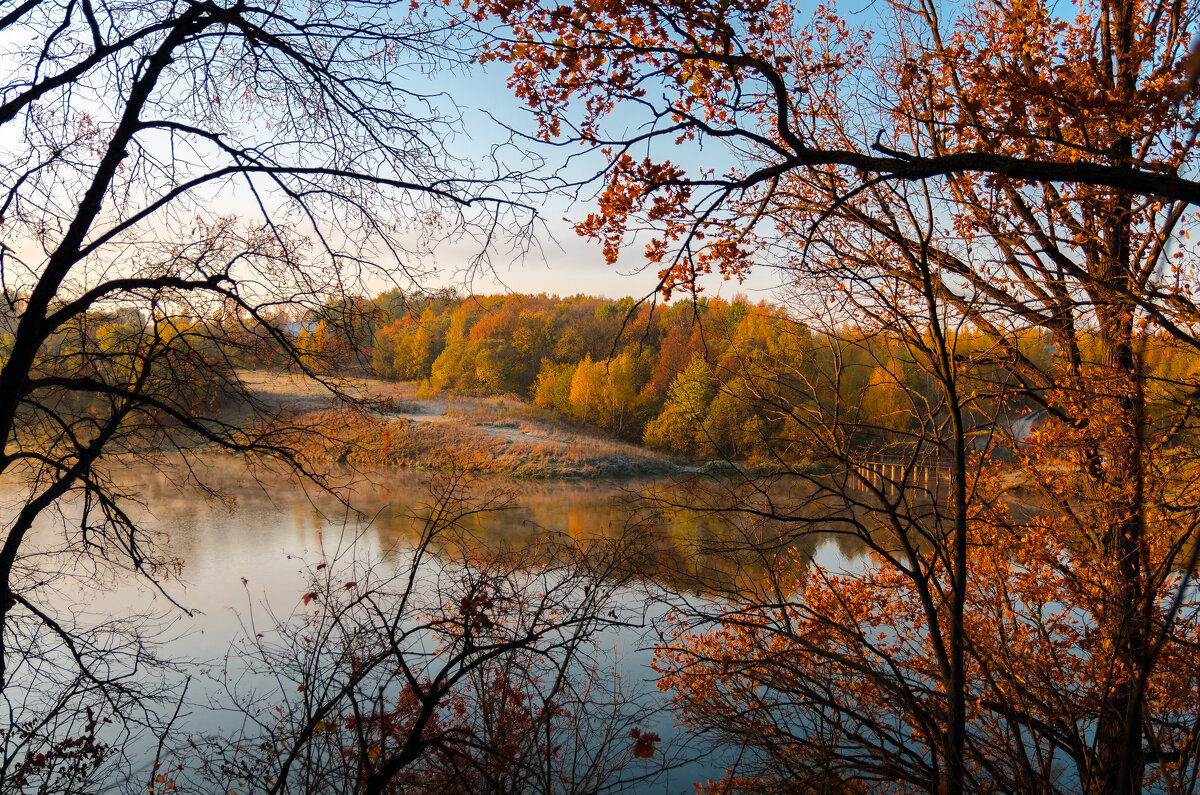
<point x="705" y="380"/>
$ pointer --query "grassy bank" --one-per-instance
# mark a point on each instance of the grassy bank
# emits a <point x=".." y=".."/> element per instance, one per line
<point x="400" y="426"/>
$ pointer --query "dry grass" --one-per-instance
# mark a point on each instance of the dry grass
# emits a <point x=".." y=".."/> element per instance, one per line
<point x="403" y="425"/>
<point x="294" y="390"/>
<point x="364" y="439"/>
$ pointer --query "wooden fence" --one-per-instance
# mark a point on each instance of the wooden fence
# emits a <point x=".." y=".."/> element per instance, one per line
<point x="893" y="474"/>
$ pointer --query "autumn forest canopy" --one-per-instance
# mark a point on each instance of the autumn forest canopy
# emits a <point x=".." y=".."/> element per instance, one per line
<point x="705" y="380"/>
<point x="979" y="370"/>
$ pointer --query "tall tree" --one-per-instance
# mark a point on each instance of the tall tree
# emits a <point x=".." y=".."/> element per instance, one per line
<point x="126" y="123"/>
<point x="996" y="169"/>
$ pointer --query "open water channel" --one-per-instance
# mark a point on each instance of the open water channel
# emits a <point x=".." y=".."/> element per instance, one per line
<point x="246" y="554"/>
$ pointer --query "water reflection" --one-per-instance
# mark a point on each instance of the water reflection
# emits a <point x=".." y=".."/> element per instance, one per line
<point x="247" y="544"/>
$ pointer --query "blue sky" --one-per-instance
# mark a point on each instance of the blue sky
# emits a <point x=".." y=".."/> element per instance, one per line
<point x="561" y="262"/>
<point x="557" y="261"/>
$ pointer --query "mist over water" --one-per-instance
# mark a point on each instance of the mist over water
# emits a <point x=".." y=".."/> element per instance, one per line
<point x="246" y="548"/>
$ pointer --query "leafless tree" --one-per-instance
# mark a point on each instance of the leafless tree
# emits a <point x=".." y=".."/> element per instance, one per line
<point x="175" y="174"/>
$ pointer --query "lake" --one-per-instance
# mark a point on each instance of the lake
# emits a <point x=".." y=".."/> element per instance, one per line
<point x="248" y="552"/>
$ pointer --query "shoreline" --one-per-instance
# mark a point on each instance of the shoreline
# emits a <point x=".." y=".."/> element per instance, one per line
<point x="398" y="427"/>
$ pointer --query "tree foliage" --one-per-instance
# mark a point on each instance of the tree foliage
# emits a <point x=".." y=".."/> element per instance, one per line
<point x="997" y="190"/>
<point x="177" y="179"/>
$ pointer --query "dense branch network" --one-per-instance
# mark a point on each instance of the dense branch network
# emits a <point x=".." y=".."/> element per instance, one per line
<point x="184" y="180"/>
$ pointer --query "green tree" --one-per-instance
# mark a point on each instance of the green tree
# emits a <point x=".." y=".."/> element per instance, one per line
<point x="680" y="425"/>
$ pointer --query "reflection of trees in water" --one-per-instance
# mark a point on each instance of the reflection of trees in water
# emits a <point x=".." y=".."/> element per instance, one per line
<point x="677" y="531"/>
<point x="727" y="534"/>
<point x="507" y="603"/>
<point x="639" y="529"/>
<point x="668" y="538"/>
<point x="464" y="661"/>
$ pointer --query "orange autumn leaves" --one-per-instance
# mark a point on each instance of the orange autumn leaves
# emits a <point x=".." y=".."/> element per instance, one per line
<point x="577" y="64"/>
<point x="847" y="664"/>
<point x="1062" y="605"/>
<point x="785" y="95"/>
<point x="1029" y="81"/>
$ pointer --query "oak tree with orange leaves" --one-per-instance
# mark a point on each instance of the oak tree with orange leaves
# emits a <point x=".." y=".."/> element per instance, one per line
<point x="1002" y="189"/>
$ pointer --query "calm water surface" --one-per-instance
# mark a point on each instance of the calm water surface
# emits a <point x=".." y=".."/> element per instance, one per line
<point x="246" y="553"/>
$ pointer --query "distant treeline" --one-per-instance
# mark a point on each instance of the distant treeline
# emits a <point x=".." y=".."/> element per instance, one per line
<point x="674" y="377"/>
<point x="707" y="379"/>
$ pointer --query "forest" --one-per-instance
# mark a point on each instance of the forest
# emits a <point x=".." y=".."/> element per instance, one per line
<point x="704" y="379"/>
